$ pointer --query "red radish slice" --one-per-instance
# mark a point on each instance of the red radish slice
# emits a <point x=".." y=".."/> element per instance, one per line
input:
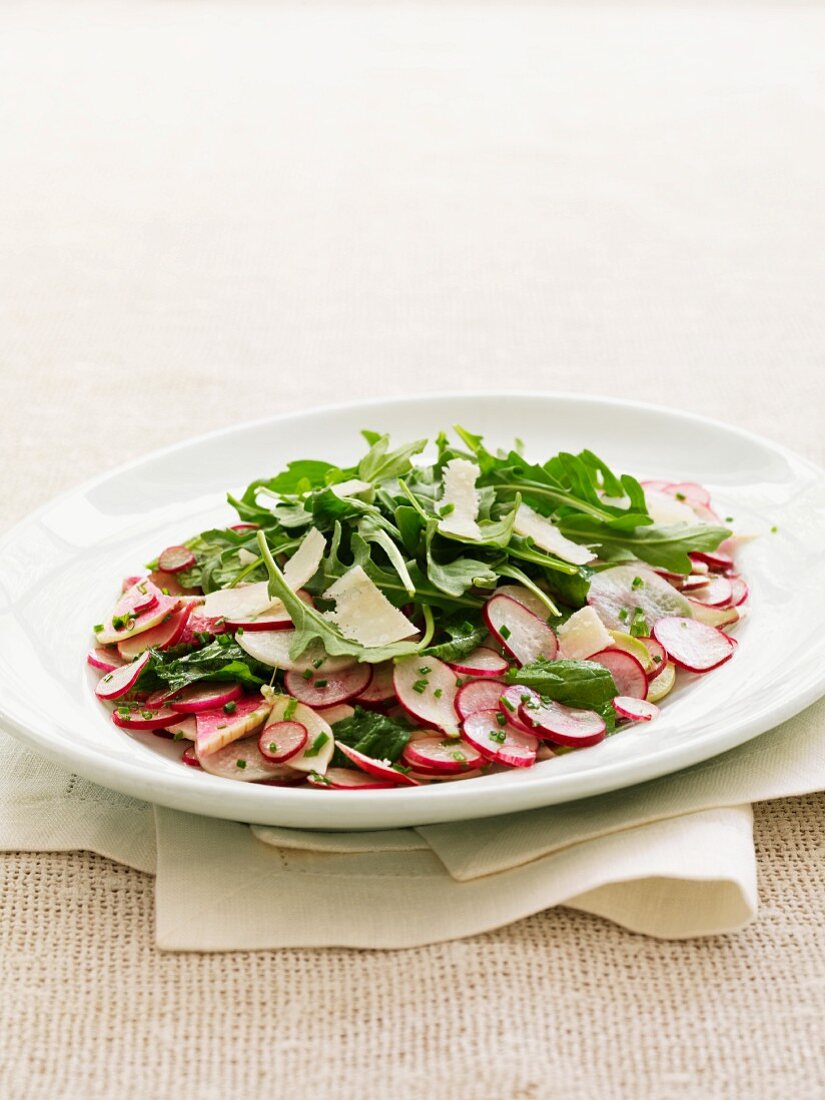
<point x="380" y="689"/>
<point x="241" y="527"/>
<point x="205" y="696"/>
<point x="694" y="646"/>
<point x="713" y="616"/>
<point x="628" y="674"/>
<point x="339" y="713"/>
<point x="327" y="689"/>
<point x="122" y="680"/>
<point x="279" y="741"/>
<point x="426" y="689"/>
<point x="138" y="717"/>
<point x="503" y="744"/>
<point x="348" y="779"/>
<point x="447" y="755"/>
<point x="174" y="559"/>
<point x="617" y="592"/>
<point x="694" y="583"/>
<point x="657" y="655"/>
<point x="169" y="633"/>
<point x="316" y="755"/>
<point x="381" y="769"/>
<point x="637" y="710"/>
<point x="160" y="697"/>
<point x="483" y="661"/>
<point x="190" y="757"/>
<point x="510" y="703"/>
<point x="656" y="486"/>
<point x="186" y="728"/>
<point x="276" y="618"/>
<point x="718" y="592"/>
<point x="564" y="725"/>
<point x="738" y="591"/>
<point x="478" y="695"/>
<point x="107" y="660"/>
<point x="691" y="491"/>
<point x="716" y="560"/>
<point x="524" y="635"/>
<point x="216" y="728"/>
<point x="145" y="620"/>
<point x="169" y="584"/>
<point x="129" y="582"/>
<point x="271" y="647"/>
<point x="242" y="760"/>
<point x="140" y="597"/>
<point x="525" y="597"/>
<point x="199" y="624"/>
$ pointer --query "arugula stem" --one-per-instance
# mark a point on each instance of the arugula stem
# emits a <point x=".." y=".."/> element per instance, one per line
<point x="558" y="495"/>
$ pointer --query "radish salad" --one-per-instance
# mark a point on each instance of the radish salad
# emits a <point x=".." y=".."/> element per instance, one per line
<point x="407" y="621"/>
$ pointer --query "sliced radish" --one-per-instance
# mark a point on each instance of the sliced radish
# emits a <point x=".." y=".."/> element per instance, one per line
<point x="617" y="592"/>
<point x="628" y="674"/>
<point x="242" y="760"/>
<point x="198" y="625"/>
<point x="692" y="492"/>
<point x="718" y="592"/>
<point x="663" y="684"/>
<point x="500" y="742"/>
<point x="241" y="527"/>
<point x="271" y="647"/>
<point x="327" y="689"/>
<point x="138" y="717"/>
<point x="117" y="683"/>
<point x="483" y="661"/>
<point x="140" y="597"/>
<point x="186" y="727"/>
<point x="169" y="633"/>
<point x="713" y="616"/>
<point x="339" y="713"/>
<point x="694" y="583"/>
<point x="279" y="741"/>
<point x="190" y="757"/>
<point x="738" y="591"/>
<point x="174" y="559"/>
<point x="524" y="635"/>
<point x="478" y="695"/>
<point x="694" y="646"/>
<point x="510" y="703"/>
<point x="206" y="696"/>
<point x="637" y="710"/>
<point x="658" y="657"/>
<point x="380" y="689"/>
<point x="525" y="597"/>
<point x="275" y="618"/>
<point x="717" y="560"/>
<point x="446" y="755"/>
<point x="426" y="689"/>
<point x="216" y="728"/>
<point x="169" y="584"/>
<point x="145" y="620"/>
<point x="107" y="660"/>
<point x="348" y="779"/>
<point x="562" y="724"/>
<point x="316" y="754"/>
<point x="128" y="583"/>
<point x="381" y="769"/>
<point x="657" y="486"/>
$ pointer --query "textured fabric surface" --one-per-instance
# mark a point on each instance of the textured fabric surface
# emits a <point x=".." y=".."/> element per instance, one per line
<point x="216" y="211"/>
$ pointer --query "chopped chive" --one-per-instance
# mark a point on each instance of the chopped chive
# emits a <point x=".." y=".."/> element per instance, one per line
<point x="290" y="709"/>
<point x="680" y="496"/>
<point x="499" y="736"/>
<point x="321" y="683"/>
<point x="318" y="663"/>
<point x="420" y="686"/>
<point x="510" y="706"/>
<point x="502" y="721"/>
<point x="273" y="746"/>
<point x="97" y="628"/>
<point x="308" y="674"/>
<point x="504" y="631"/>
<point x="774" y="530"/>
<point x="637" y="582"/>
<point x="230" y="708"/>
<point x="317" y="744"/>
<point x="425" y="670"/>
<point x="240" y="763"/>
<point x="438" y="693"/>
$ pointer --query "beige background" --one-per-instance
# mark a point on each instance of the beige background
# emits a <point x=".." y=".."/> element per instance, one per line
<point x="210" y="212"/>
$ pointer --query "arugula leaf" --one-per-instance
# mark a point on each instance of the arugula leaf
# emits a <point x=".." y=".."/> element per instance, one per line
<point x="378" y="464"/>
<point x="465" y="636"/>
<point x="305" y="475"/>
<point x="456" y="576"/>
<point x="575" y="683"/>
<point x="216" y="661"/>
<point x="218" y="562"/>
<point x="372" y="733"/>
<point x="667" y="547"/>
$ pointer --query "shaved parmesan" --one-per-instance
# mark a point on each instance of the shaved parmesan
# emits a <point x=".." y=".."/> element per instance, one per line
<point x="350" y="488"/>
<point x="666" y="509"/>
<point x="461" y="499"/>
<point x="363" y="613"/>
<point x="583" y="635"/>
<point x="253" y="600"/>
<point x="547" y="536"/>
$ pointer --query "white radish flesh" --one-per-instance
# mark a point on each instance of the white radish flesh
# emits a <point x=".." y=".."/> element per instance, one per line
<point x="144" y="621"/>
<point x="280" y="741"/>
<point x="243" y="760"/>
<point x="617" y="592"/>
<point x="562" y="724"/>
<point x="339" y="713"/>
<point x="317" y="752"/>
<point x="628" y="675"/>
<point x="107" y="660"/>
<point x="168" y="634"/>
<point x="205" y="696"/>
<point x="348" y="779"/>
<point x="500" y="742"/>
<point x="478" y="695"/>
<point x="658" y="657"/>
<point x="636" y="710"/>
<point x="381" y="769"/>
<point x="483" y="661"/>
<point x="117" y="683"/>
<point x="525" y="597"/>
<point x="718" y="592"/>
<point x="380" y="689"/>
<point x="739" y="591"/>
<point x="327" y="689"/>
<point x="174" y="559"/>
<point x="449" y="756"/>
<point x="716" y="560"/>
<point x="184" y="727"/>
<point x="694" y="646"/>
<point x="713" y="616"/>
<point x="217" y="729"/>
<point x="426" y="689"/>
<point x="511" y="701"/>
<point x="524" y="635"/>
<point x="663" y="684"/>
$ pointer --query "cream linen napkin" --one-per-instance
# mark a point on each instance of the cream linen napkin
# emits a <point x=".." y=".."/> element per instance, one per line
<point x="671" y="858"/>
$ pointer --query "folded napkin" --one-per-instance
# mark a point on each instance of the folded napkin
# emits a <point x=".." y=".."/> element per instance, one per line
<point x="672" y="858"/>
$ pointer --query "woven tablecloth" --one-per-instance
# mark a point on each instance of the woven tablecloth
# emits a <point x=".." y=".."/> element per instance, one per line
<point x="212" y="212"/>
